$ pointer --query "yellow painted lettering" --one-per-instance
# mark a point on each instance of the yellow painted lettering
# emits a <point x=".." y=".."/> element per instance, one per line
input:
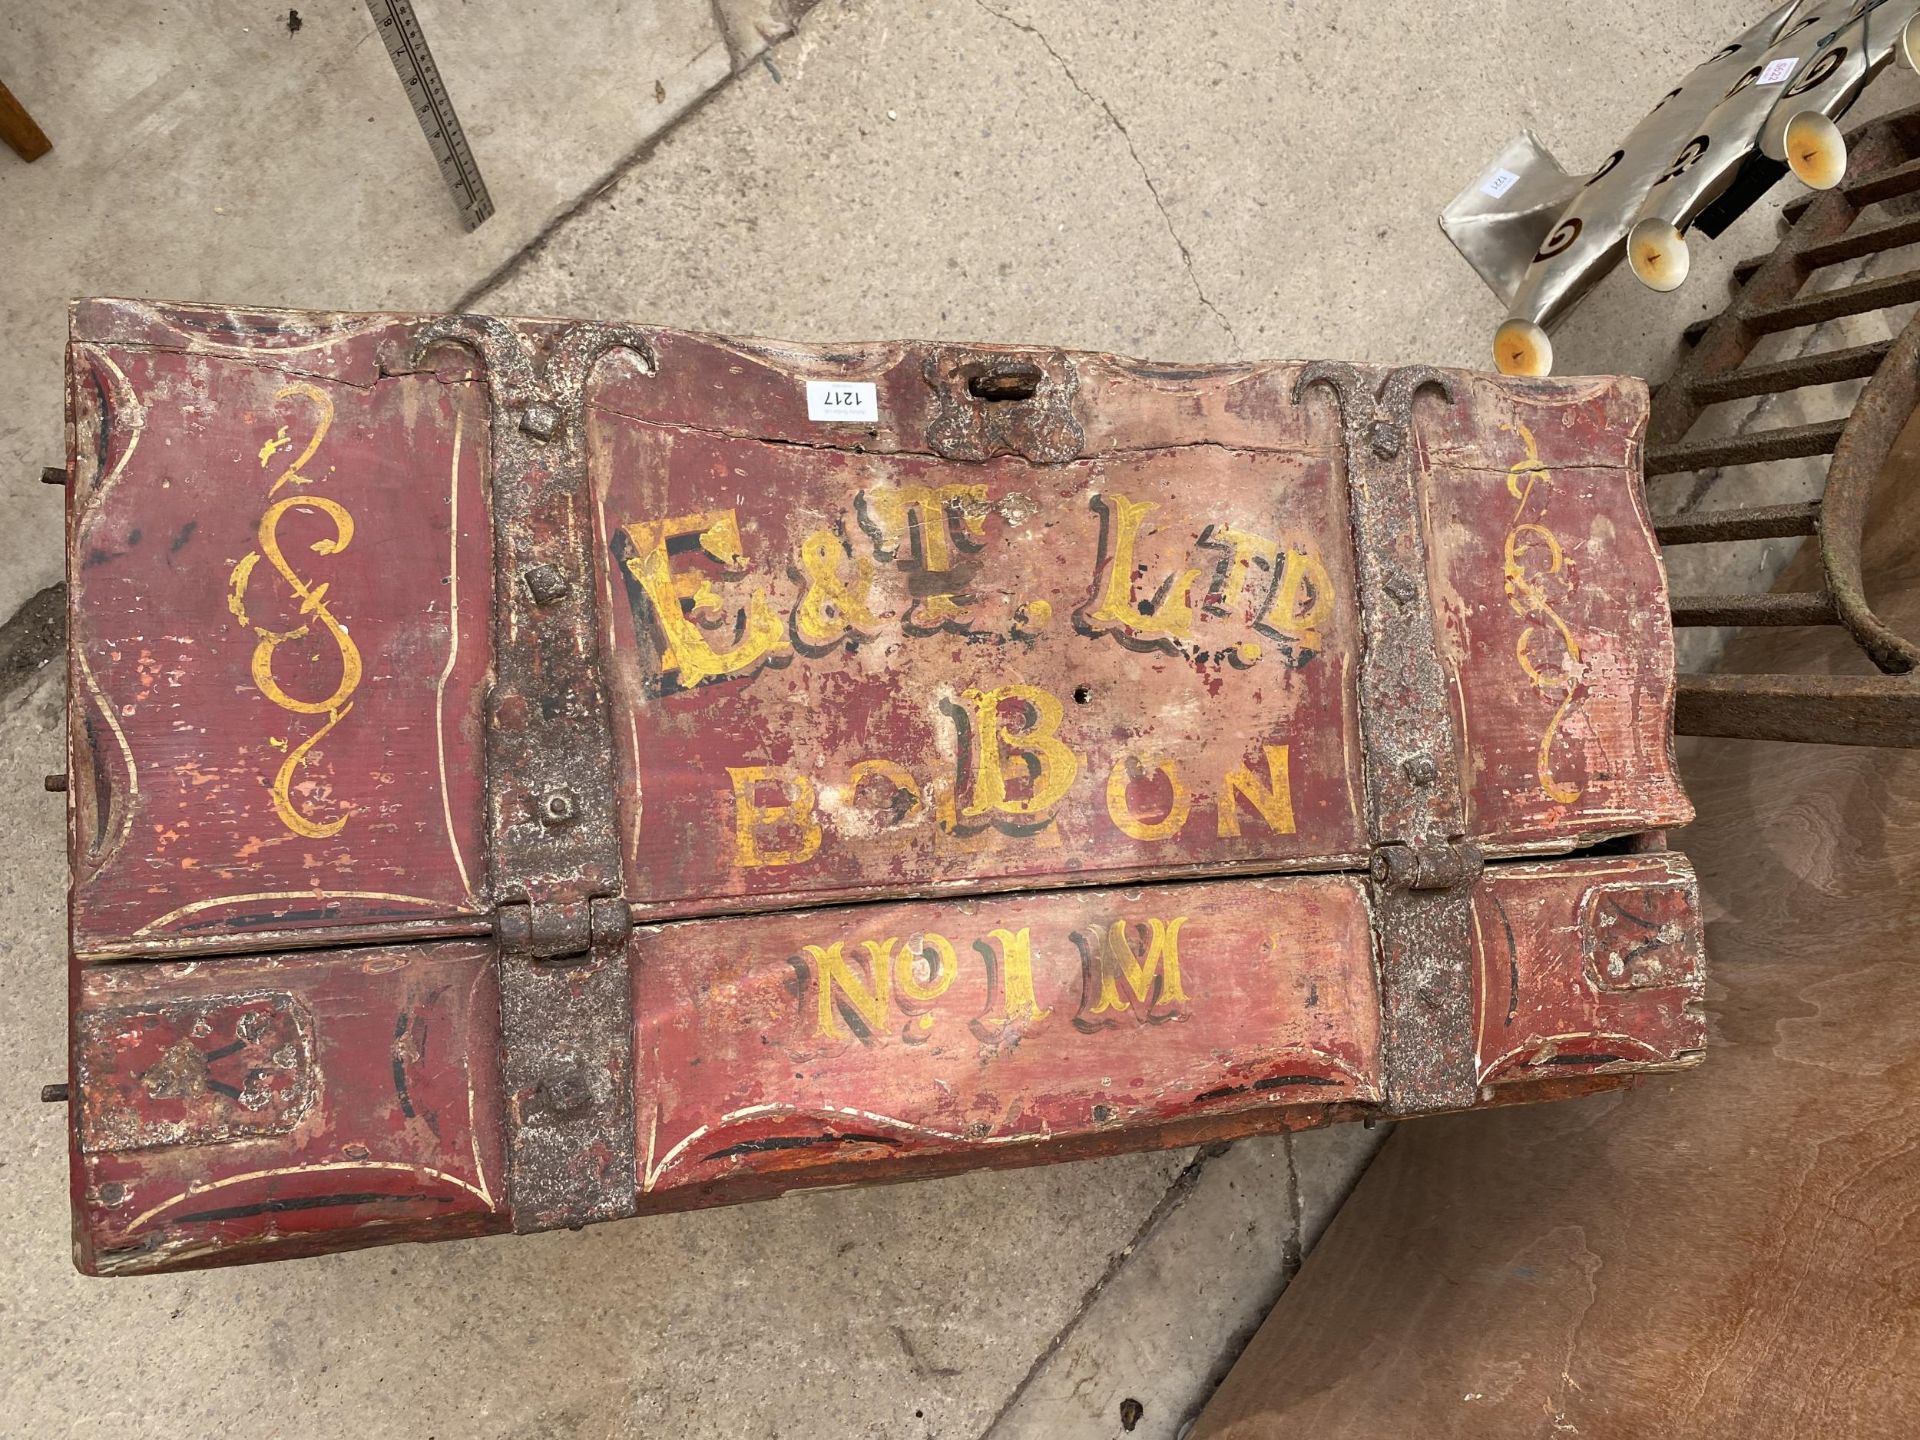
<point x="679" y="598"/>
<point x="1243" y="552"/>
<point x="1158" y="623"/>
<point x="1273" y="801"/>
<point x="862" y="999"/>
<point x="1119" y="782"/>
<point x="1008" y="955"/>
<point x="933" y="613"/>
<point x="1051" y="764"/>
<point x="919" y="518"/>
<point x="754" y="822"/>
<point x="916" y="995"/>
<point x="835" y="604"/>
<point x="1302" y="602"/>
<point x="1152" y="980"/>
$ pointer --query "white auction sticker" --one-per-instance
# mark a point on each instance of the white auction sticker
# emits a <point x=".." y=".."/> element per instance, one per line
<point x="1498" y="183"/>
<point x="842" y="400"/>
<point x="1777" y="70"/>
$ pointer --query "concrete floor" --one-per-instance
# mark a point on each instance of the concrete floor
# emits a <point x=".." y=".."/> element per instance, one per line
<point x="1210" y="181"/>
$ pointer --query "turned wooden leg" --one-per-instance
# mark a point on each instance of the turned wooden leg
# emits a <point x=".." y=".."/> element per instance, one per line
<point x="28" y="140"/>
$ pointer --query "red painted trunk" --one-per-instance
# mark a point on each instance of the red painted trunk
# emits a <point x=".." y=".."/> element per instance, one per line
<point x="479" y="732"/>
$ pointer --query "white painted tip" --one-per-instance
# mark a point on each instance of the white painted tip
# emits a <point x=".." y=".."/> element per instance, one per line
<point x="1521" y="347"/>
<point x="1657" y="251"/>
<point x="1815" y="150"/>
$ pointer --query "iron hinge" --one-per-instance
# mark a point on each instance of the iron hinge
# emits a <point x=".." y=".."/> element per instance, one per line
<point x="1426" y="865"/>
<point x="561" y="930"/>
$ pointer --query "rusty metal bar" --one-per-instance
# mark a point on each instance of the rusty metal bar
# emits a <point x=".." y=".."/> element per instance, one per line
<point x="1807" y="709"/>
<point x="1780" y="607"/>
<point x="1854" y="245"/>
<point x="1884" y="184"/>
<point x="554" y="862"/>
<point x="1873" y="710"/>
<point x="1865" y="241"/>
<point x="1786" y="443"/>
<point x="1750" y="522"/>
<point x="1722" y="343"/>
<point x="1858" y="299"/>
<point x="1743" y="271"/>
<point x="1421" y="872"/>
<point x="1881" y="413"/>
<point x="1828" y="367"/>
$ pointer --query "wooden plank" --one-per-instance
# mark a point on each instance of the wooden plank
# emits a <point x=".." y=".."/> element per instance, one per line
<point x="18" y="129"/>
<point x="252" y="1108"/>
<point x="1731" y="1256"/>
<point x="818" y="1047"/>
<point x="273" y="1106"/>
<point x="982" y="642"/>
<point x="277" y="643"/>
<point x="1053" y="1032"/>
<point x="1552" y="618"/>
<point x="1155" y="700"/>
<point x="1008" y="702"/>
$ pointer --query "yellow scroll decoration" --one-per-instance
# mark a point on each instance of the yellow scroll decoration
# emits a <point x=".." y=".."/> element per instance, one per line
<point x="1533" y="556"/>
<point x="312" y="602"/>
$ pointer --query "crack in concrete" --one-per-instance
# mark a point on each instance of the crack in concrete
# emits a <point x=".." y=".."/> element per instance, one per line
<point x="1297" y="1205"/>
<point x="1126" y="137"/>
<point x="726" y="37"/>
<point x="1174" y="1197"/>
<point x="1292" y="1255"/>
<point x="631" y="161"/>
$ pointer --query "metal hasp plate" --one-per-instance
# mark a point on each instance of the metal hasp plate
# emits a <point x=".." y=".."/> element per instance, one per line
<point x="525" y="773"/>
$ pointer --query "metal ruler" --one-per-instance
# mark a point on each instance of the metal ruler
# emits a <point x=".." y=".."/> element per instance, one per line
<point x="407" y="47"/>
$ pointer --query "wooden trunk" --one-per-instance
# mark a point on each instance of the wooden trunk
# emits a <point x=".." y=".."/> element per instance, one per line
<point x="527" y="773"/>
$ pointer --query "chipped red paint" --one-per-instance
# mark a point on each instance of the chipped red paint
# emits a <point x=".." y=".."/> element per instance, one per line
<point x="1037" y="660"/>
<point x="175" y="841"/>
<point x="1271" y="1024"/>
<point x="1495" y="530"/>
<point x="1254" y="994"/>
<point x="381" y="1119"/>
<point x="1628" y="963"/>
<point x="899" y="697"/>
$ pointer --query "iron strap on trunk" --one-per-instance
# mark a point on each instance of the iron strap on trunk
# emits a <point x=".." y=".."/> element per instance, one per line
<point x="555" y="868"/>
<point x="1422" y="870"/>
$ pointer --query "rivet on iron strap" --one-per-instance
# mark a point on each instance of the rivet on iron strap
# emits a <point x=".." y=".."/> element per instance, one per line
<point x="1422" y="871"/>
<point x="554" y="864"/>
